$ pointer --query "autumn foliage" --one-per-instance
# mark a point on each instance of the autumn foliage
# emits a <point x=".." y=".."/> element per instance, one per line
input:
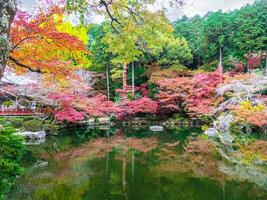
<point x="252" y="114"/>
<point x="39" y="45"/>
<point x="142" y="105"/>
<point x="47" y="44"/>
<point x="195" y="95"/>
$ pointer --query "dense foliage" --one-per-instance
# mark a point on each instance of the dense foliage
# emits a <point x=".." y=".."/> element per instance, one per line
<point x="237" y="33"/>
<point x="11" y="152"/>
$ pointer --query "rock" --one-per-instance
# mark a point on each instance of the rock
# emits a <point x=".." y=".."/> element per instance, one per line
<point x="156" y="128"/>
<point x="90" y="121"/>
<point x="32" y="135"/>
<point x="211" y="132"/>
<point x="103" y="120"/>
<point x="223" y="123"/>
<point x="39" y="164"/>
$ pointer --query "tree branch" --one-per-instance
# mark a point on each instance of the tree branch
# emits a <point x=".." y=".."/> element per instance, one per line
<point x="133" y="13"/>
<point x="16" y="45"/>
<point x="113" y="19"/>
<point x="25" y="66"/>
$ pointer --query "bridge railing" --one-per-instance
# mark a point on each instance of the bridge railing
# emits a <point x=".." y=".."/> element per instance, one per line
<point x="21" y="111"/>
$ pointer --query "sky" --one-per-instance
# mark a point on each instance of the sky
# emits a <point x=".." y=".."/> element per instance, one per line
<point x="191" y="7"/>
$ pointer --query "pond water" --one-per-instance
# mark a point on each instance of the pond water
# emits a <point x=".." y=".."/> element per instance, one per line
<point x="131" y="164"/>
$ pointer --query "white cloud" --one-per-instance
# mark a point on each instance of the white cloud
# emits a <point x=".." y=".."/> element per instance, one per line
<point x="201" y="7"/>
<point x="191" y="8"/>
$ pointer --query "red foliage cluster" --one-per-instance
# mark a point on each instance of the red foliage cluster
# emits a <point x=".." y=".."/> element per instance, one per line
<point x="69" y="114"/>
<point x="71" y="106"/>
<point x="66" y="111"/>
<point x="96" y="106"/>
<point x="142" y="105"/>
<point x="254" y="61"/>
<point x="64" y="98"/>
<point x="239" y="67"/>
<point x="192" y="94"/>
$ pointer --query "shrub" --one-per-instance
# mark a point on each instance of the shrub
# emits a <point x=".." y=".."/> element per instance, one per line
<point x="8" y="103"/>
<point x="32" y="125"/>
<point x="8" y="130"/>
<point x="51" y="129"/>
<point x="11" y="153"/>
<point x="209" y="67"/>
<point x="16" y="122"/>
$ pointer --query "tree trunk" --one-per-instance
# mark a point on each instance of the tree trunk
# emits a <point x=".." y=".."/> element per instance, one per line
<point x="198" y="60"/>
<point x="266" y="64"/>
<point x="249" y="55"/>
<point x="7" y="13"/>
<point x="107" y="77"/>
<point x="124" y="80"/>
<point x="133" y="85"/>
<point x="220" y="66"/>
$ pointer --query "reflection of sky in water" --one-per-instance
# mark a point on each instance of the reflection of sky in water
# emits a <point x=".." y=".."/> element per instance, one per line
<point x="191" y="8"/>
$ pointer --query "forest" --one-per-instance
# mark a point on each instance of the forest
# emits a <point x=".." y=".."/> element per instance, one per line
<point x="141" y="93"/>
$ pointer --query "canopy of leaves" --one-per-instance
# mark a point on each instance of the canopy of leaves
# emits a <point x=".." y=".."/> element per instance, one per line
<point x="134" y="38"/>
<point x="41" y="45"/>
<point x="237" y="32"/>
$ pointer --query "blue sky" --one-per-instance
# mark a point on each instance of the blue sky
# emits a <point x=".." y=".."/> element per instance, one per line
<point x="191" y="8"/>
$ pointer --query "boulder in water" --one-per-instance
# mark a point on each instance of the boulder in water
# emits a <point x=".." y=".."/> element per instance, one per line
<point x="32" y="135"/>
<point x="212" y="132"/>
<point x="156" y="128"/>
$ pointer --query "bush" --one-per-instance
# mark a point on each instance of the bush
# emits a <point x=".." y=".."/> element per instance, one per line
<point x="32" y="125"/>
<point x="209" y="67"/>
<point x="51" y="129"/>
<point x="8" y="103"/>
<point x="11" y="153"/>
<point x="178" y="67"/>
<point x="16" y="122"/>
<point x="8" y="130"/>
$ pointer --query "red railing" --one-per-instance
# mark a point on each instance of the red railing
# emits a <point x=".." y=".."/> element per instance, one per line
<point x="17" y="112"/>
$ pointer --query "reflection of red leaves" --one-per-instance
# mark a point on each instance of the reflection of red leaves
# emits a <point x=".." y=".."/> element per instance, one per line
<point x="200" y="146"/>
<point x="99" y="146"/>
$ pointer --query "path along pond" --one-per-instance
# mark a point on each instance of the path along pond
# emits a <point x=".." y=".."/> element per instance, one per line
<point x="133" y="164"/>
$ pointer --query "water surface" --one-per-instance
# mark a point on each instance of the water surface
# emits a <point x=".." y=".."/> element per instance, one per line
<point x="130" y="164"/>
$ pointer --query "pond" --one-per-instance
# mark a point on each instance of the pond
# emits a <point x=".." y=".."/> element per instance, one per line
<point x="131" y="164"/>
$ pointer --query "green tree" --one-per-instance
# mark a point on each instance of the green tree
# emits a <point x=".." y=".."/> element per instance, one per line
<point x="101" y="59"/>
<point x="190" y="28"/>
<point x="249" y="32"/>
<point x="145" y="31"/>
<point x="176" y="51"/>
<point x="214" y="34"/>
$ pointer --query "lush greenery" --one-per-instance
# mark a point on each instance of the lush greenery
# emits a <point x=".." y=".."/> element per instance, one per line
<point x="237" y="33"/>
<point x="11" y="153"/>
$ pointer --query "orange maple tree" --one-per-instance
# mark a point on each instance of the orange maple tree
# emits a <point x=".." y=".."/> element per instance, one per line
<point x="38" y="45"/>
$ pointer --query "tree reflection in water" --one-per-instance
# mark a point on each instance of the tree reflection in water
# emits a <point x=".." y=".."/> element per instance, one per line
<point x="121" y="167"/>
